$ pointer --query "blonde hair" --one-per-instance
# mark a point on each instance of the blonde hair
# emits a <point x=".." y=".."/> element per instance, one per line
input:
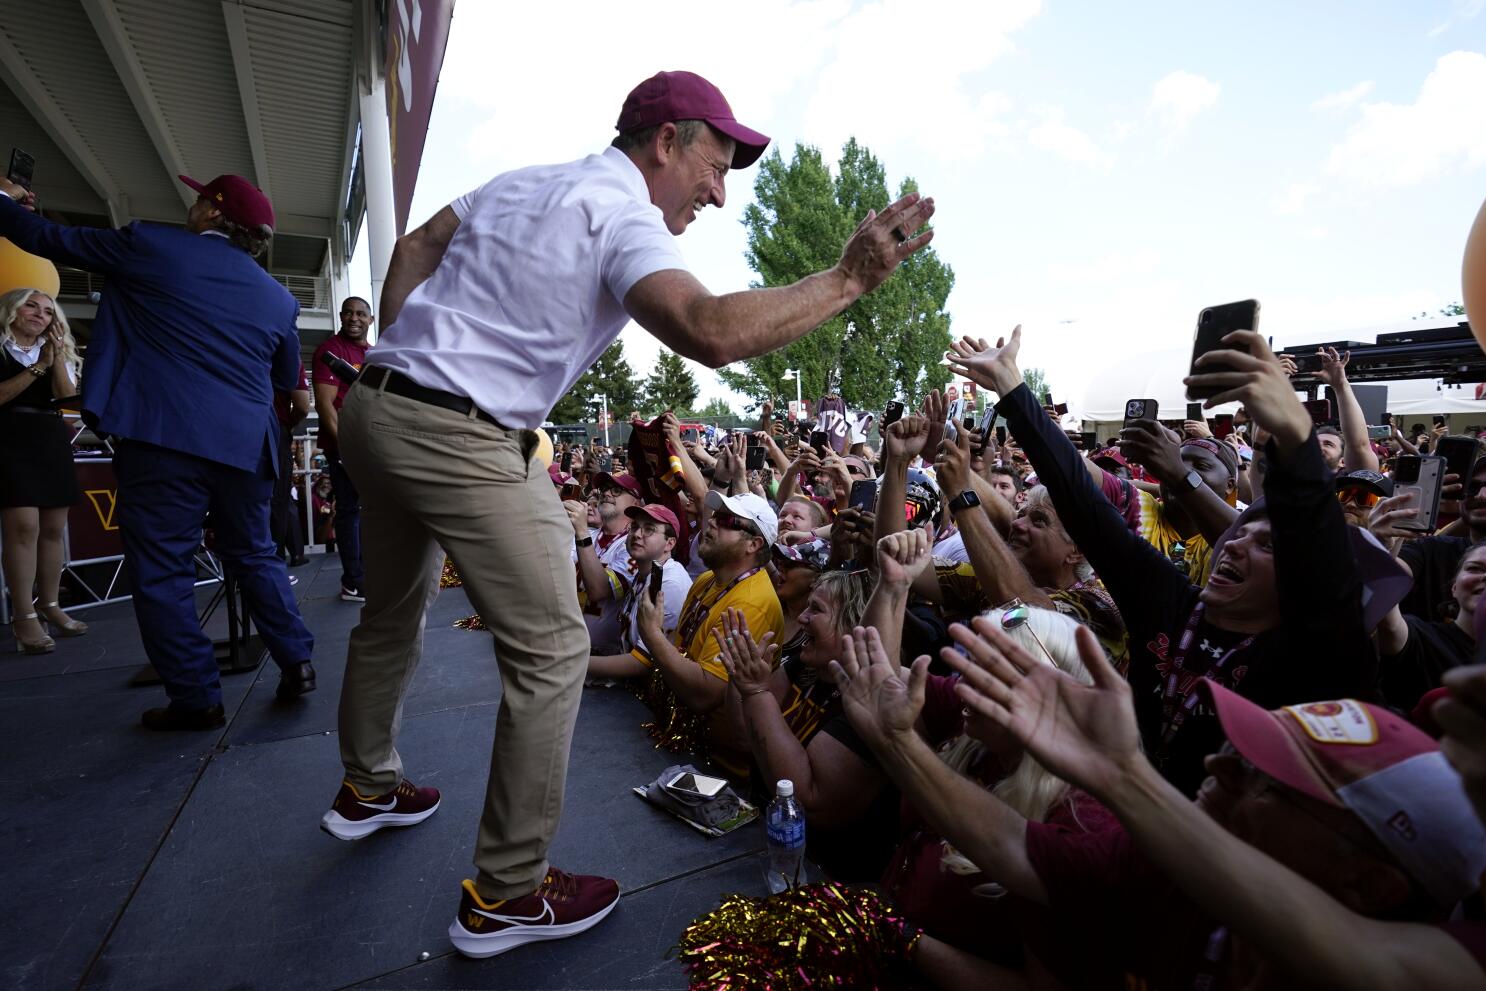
<point x="817" y="511"/>
<point x="1030" y="789"/>
<point x="1038" y="498"/>
<point x="848" y="592"/>
<point x="11" y="303"/>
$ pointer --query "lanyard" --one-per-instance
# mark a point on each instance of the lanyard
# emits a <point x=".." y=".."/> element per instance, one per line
<point x="1176" y="705"/>
<point x="697" y="612"/>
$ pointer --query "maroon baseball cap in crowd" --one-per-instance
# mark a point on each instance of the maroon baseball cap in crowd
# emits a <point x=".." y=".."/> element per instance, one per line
<point x="673" y="96"/>
<point x="656" y="512"/>
<point x="239" y="200"/>
<point x="562" y="479"/>
<point x="1111" y="455"/>
<point x="626" y="481"/>
<point x="1378" y="766"/>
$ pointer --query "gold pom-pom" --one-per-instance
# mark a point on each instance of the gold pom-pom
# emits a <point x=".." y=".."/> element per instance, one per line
<point x="471" y="623"/>
<point x="450" y="578"/>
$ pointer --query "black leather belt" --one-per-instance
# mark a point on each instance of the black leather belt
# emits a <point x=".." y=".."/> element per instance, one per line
<point x="378" y="377"/>
<point x="30" y="409"/>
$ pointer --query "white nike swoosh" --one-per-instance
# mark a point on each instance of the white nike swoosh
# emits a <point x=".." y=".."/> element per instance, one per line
<point x="380" y="808"/>
<point x="546" y="915"/>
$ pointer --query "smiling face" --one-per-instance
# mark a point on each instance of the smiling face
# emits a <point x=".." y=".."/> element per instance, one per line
<point x="1469" y="582"/>
<point x="613" y="501"/>
<point x="1474" y="506"/>
<point x="819" y="621"/>
<point x="355" y="318"/>
<point x="1241" y="594"/>
<point x="685" y="180"/>
<point x="33" y="318"/>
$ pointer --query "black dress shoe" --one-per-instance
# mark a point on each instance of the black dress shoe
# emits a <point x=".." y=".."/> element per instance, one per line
<point x="296" y="679"/>
<point x="295" y="562"/>
<point x="179" y="717"/>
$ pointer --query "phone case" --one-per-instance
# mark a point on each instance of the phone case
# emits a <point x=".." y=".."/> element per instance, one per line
<point x="1424" y="492"/>
<point x="1213" y="324"/>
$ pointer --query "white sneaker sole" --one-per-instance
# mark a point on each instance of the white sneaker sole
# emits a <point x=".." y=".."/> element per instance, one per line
<point x="342" y="828"/>
<point x="494" y="944"/>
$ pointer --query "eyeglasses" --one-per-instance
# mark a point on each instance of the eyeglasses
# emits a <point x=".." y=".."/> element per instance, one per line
<point x="730" y="522"/>
<point x="1358" y="496"/>
<point x="1017" y="614"/>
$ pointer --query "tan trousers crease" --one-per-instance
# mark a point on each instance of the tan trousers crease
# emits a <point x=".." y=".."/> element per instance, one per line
<point x="432" y="478"/>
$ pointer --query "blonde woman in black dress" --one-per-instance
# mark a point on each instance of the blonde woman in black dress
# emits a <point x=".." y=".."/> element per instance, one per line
<point x="38" y="363"/>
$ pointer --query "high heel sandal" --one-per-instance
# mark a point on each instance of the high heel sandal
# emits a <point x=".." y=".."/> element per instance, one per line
<point x="43" y="646"/>
<point x="68" y="627"/>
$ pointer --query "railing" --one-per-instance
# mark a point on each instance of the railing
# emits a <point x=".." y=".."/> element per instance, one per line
<point x="312" y="291"/>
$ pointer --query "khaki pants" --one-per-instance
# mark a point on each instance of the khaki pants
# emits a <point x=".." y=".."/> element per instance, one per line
<point x="432" y="478"/>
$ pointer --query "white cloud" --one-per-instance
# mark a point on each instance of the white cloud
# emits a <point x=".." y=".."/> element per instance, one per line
<point x="1344" y="98"/>
<point x="1051" y="134"/>
<point x="1119" y="267"/>
<point x="1294" y="197"/>
<point x="1180" y="96"/>
<point x="1441" y="132"/>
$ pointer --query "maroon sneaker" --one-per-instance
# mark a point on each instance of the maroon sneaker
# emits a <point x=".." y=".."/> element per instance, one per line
<point x="354" y="815"/>
<point x="564" y="905"/>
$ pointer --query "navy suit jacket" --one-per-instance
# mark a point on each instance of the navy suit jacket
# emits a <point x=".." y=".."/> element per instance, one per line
<point x="191" y="338"/>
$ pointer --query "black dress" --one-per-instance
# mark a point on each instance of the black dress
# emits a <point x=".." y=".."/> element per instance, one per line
<point x="36" y="468"/>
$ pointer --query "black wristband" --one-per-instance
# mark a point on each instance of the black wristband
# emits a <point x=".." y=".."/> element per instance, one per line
<point x="584" y="541"/>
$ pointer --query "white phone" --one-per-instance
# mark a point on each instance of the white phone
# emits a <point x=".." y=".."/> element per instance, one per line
<point x="699" y="785"/>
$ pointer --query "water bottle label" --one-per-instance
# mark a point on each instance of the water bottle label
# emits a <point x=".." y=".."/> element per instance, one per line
<point x="787" y="833"/>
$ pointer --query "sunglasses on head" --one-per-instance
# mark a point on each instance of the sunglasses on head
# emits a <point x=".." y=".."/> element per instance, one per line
<point x="1358" y="496"/>
<point x="1018" y="614"/>
<point x="730" y="522"/>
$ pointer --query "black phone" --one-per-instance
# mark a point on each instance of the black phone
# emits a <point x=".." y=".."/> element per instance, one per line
<point x="1214" y="324"/>
<point x="754" y="460"/>
<point x="566" y="464"/>
<point x="1195" y="413"/>
<point x="1089" y="440"/>
<point x="863" y="495"/>
<point x="1419" y="477"/>
<point x="606" y="462"/>
<point x="969" y="422"/>
<point x="1001" y="436"/>
<point x="1319" y="409"/>
<point x="986" y="420"/>
<point x="1140" y="409"/>
<point x="1047" y="399"/>
<point x="1459" y="454"/>
<point x="892" y="414"/>
<point x="22" y="167"/>
<point x="657" y="575"/>
<point x="821" y="441"/>
<point x="1439" y="421"/>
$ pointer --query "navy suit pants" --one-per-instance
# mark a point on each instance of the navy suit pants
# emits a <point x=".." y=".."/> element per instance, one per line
<point x="164" y="498"/>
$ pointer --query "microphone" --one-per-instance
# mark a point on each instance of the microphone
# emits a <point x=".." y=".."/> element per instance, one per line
<point x="343" y="369"/>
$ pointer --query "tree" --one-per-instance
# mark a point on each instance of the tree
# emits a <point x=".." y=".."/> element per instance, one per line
<point x="1448" y="310"/>
<point x="671" y="385"/>
<point x="889" y="342"/>
<point x="609" y="376"/>
<point x="1036" y="382"/>
<point x="716" y="408"/>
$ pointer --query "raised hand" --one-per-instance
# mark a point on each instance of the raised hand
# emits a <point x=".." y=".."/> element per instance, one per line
<point x="577" y="516"/>
<point x="1333" y="366"/>
<point x="1388" y="513"/>
<point x="906" y="439"/>
<point x="1257" y="380"/>
<point x="749" y="662"/>
<point x="992" y="368"/>
<point x="879" y="704"/>
<point x="1086" y="734"/>
<point x="883" y="240"/>
<point x="902" y="556"/>
<point x="1154" y="448"/>
<point x="952" y="464"/>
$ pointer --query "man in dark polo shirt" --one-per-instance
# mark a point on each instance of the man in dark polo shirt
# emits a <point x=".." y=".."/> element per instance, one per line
<point x="350" y="345"/>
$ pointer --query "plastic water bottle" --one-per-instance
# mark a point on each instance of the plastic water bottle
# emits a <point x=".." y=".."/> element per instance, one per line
<point x="785" y="822"/>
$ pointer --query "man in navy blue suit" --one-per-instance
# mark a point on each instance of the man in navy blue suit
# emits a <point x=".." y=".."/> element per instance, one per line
<point x="191" y="339"/>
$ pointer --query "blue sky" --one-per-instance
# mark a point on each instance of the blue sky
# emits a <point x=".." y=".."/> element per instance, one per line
<point x="1101" y="171"/>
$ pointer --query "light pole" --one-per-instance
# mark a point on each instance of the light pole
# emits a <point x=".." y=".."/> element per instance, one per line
<point x="794" y="373"/>
<point x="604" y="416"/>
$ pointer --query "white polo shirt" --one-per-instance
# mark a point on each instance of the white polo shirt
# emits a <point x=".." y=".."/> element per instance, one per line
<point x="531" y="289"/>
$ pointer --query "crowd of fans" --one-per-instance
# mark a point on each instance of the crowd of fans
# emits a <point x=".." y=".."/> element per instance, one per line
<point x="1179" y="710"/>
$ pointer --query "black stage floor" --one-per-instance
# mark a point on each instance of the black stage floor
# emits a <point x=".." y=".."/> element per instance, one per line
<point x="195" y="861"/>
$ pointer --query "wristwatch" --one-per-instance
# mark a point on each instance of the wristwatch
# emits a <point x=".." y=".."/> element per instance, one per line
<point x="1190" y="482"/>
<point x="965" y="500"/>
<point x="584" y="541"/>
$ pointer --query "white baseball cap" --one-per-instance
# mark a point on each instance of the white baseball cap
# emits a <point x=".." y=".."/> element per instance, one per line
<point x="749" y="507"/>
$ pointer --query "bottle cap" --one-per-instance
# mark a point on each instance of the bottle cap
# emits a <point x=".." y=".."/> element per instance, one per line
<point x="784" y="787"/>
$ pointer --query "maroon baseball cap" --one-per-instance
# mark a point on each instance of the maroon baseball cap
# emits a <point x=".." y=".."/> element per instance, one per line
<point x="656" y="512"/>
<point x="625" y="481"/>
<point x="673" y="96"/>
<point x="239" y="200"/>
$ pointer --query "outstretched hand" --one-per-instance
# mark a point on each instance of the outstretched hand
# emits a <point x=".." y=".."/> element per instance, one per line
<point x="749" y="662"/>
<point x="906" y="439"/>
<point x="883" y="240"/>
<point x="993" y="368"/>
<point x="1256" y="379"/>
<point x="1086" y="734"/>
<point x="879" y="704"/>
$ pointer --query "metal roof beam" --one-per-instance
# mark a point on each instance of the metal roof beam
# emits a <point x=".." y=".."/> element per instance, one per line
<point x="109" y="27"/>
<point x="247" y="89"/>
<point x="294" y="223"/>
<point x="17" y="75"/>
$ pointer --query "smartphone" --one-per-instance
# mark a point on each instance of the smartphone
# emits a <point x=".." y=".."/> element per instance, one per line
<point x="606" y="462"/>
<point x="754" y="459"/>
<point x="1419" y="477"/>
<point x="1047" y="399"/>
<point x="696" y="785"/>
<point x="1214" y="324"/>
<point x="1319" y="409"/>
<point x="986" y="420"/>
<point x="1439" y="421"/>
<point x="1088" y="440"/>
<point x="1140" y="409"/>
<point x="657" y="575"/>
<point x="1222" y="425"/>
<point x="821" y="441"/>
<point x="566" y="464"/>
<point x="22" y="167"/>
<point x="1195" y="413"/>
<point x="968" y="422"/>
<point x="892" y="414"/>
<point x="1001" y="436"/>
<point x="1459" y="454"/>
<point x="863" y="495"/>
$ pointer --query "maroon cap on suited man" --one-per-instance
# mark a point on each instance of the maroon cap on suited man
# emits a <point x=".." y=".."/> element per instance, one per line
<point x="673" y="96"/>
<point x="239" y="200"/>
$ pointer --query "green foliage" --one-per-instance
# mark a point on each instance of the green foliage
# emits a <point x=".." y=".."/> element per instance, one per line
<point x="1036" y="382"/>
<point x="891" y="341"/>
<point x="716" y="408"/>
<point x="1448" y="310"/>
<point x="670" y="386"/>
<point x="609" y="376"/>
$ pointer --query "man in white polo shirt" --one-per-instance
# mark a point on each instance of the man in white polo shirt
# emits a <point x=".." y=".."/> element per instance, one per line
<point x="491" y="311"/>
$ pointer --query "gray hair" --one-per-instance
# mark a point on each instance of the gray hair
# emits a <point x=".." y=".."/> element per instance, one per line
<point x="687" y="132"/>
